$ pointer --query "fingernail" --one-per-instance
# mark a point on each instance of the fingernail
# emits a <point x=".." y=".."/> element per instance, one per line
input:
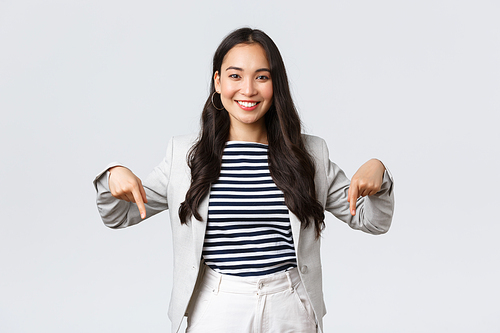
<point x="143" y="215"/>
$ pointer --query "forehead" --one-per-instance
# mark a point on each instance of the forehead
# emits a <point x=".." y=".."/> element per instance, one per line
<point x="246" y="56"/>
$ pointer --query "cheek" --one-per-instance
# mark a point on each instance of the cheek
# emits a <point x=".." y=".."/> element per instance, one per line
<point x="227" y="90"/>
<point x="268" y="93"/>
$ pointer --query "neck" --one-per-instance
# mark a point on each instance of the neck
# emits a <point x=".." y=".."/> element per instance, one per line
<point x="248" y="133"/>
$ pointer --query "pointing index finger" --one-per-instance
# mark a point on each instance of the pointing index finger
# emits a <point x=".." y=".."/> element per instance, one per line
<point x="139" y="202"/>
<point x="143" y="193"/>
<point x="353" y="197"/>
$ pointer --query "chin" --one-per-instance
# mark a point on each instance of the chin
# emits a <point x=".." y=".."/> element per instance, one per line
<point x="250" y="121"/>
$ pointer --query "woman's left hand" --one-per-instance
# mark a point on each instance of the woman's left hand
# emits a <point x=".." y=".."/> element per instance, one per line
<point x="366" y="181"/>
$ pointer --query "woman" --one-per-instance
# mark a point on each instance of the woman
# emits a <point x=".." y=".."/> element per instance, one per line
<point x="247" y="201"/>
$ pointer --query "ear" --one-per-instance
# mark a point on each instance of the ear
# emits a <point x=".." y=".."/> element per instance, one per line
<point x="217" y="82"/>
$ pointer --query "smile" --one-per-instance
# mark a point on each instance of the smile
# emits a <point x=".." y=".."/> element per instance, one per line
<point x="247" y="104"/>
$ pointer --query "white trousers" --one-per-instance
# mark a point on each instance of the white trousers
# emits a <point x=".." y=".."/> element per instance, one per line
<point x="275" y="303"/>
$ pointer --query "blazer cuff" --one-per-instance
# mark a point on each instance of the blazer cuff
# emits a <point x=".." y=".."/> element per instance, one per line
<point x="387" y="182"/>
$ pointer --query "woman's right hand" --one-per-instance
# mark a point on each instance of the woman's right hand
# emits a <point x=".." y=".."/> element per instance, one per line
<point x="124" y="185"/>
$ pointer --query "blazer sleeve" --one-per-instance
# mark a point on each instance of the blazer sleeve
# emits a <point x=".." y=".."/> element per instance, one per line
<point x="373" y="213"/>
<point x="116" y="213"/>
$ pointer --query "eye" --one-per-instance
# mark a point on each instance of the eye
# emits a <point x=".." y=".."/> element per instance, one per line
<point x="262" y="77"/>
<point x="234" y="76"/>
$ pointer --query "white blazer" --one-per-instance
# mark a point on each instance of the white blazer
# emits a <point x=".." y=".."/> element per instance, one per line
<point x="166" y="188"/>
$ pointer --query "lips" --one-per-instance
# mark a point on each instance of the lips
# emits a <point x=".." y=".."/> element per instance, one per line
<point x="247" y="104"/>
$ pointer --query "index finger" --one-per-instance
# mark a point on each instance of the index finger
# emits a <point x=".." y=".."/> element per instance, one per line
<point x="353" y="197"/>
<point x="140" y="203"/>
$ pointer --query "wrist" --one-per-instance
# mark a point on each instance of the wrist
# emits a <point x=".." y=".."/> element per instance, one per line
<point x="379" y="162"/>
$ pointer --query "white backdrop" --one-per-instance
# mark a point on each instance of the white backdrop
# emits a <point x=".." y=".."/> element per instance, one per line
<point x="415" y="83"/>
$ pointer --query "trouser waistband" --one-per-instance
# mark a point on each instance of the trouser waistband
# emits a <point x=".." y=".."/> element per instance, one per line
<point x="260" y="285"/>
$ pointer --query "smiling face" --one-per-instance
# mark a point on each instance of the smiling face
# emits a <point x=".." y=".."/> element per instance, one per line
<point x="246" y="88"/>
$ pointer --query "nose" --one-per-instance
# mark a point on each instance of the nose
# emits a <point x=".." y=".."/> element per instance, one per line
<point x="248" y="88"/>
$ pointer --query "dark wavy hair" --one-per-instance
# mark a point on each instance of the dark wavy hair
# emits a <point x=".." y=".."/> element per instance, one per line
<point x="290" y="165"/>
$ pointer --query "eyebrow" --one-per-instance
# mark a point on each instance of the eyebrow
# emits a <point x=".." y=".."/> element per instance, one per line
<point x="241" y="69"/>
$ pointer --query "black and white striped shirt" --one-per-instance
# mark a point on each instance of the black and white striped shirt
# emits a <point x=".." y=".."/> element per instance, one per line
<point x="248" y="231"/>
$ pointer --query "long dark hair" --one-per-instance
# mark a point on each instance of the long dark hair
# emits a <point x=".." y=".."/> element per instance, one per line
<point x="290" y="165"/>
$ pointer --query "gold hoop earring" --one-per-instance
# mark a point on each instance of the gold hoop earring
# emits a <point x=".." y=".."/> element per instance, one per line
<point x="214" y="103"/>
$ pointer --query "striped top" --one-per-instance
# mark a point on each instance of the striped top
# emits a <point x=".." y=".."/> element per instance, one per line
<point x="248" y="231"/>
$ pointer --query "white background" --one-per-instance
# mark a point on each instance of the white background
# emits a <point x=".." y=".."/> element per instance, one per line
<point x="415" y="83"/>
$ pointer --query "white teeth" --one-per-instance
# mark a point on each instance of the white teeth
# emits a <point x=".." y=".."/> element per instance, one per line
<point x="247" y="104"/>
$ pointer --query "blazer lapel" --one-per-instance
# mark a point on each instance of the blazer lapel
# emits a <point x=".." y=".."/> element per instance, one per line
<point x="296" y="226"/>
<point x="199" y="227"/>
